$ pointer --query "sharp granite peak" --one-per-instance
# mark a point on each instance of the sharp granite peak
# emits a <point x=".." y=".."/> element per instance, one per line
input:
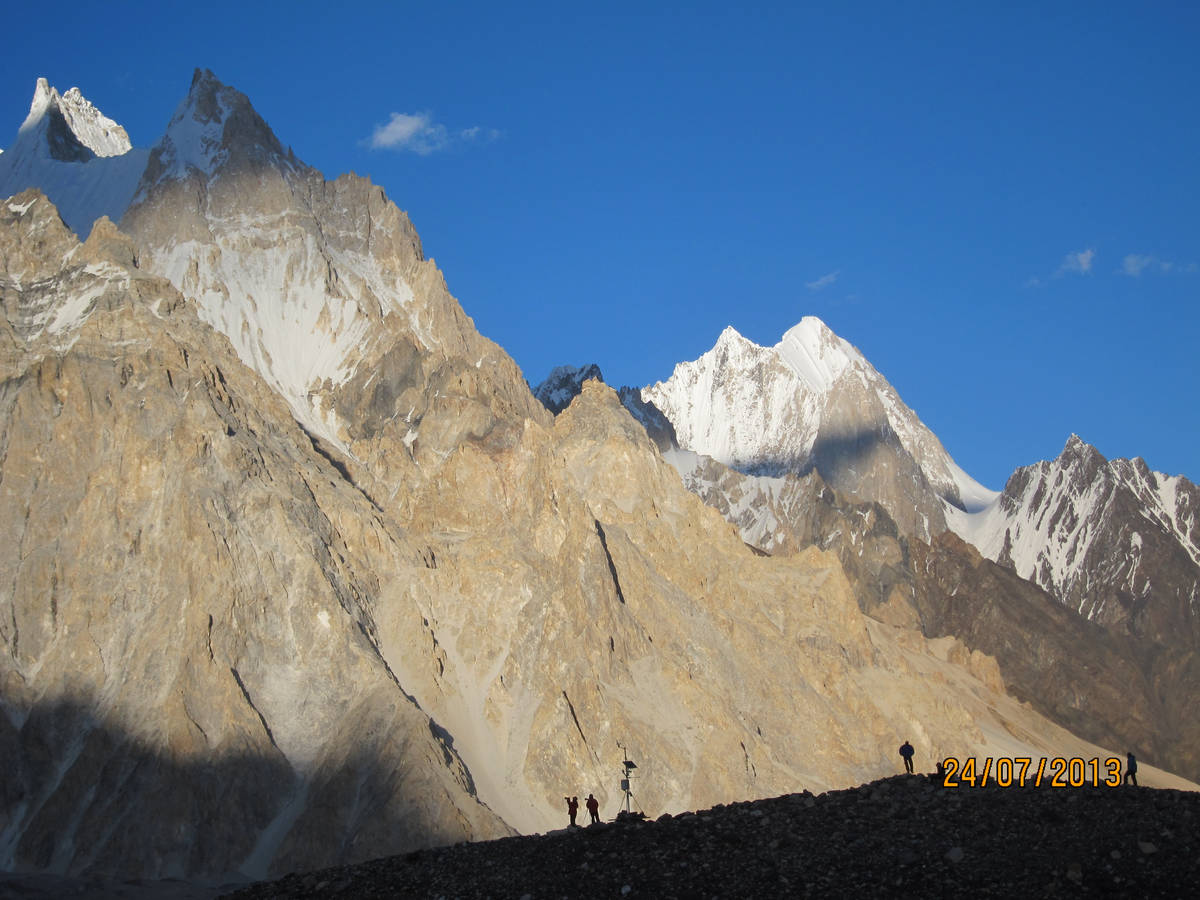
<point x="813" y="401"/>
<point x="81" y="159"/>
<point x="321" y="286"/>
<point x="214" y="129"/>
<point x="74" y="130"/>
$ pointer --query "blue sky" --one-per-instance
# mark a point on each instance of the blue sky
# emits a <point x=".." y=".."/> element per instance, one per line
<point x="999" y="207"/>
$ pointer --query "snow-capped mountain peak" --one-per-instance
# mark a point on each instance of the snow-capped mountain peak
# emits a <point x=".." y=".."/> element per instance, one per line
<point x="213" y="128"/>
<point x="813" y="401"/>
<point x="816" y="354"/>
<point x="73" y="153"/>
<point x="1104" y="536"/>
<point x="730" y="336"/>
<point x="69" y="128"/>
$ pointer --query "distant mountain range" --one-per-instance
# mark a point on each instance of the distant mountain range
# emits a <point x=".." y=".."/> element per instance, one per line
<point x="1114" y="541"/>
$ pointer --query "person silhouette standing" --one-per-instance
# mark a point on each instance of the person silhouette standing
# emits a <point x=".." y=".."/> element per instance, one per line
<point x="593" y="808"/>
<point x="1131" y="769"/>
<point x="906" y="751"/>
<point x="572" y="807"/>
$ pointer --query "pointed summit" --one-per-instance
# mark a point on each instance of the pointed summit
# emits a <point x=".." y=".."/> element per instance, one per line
<point x="68" y="128"/>
<point x="1077" y="451"/>
<point x="730" y="335"/>
<point x="75" y="155"/>
<point x="816" y="354"/>
<point x="214" y="130"/>
<point x="46" y="133"/>
<point x="814" y="402"/>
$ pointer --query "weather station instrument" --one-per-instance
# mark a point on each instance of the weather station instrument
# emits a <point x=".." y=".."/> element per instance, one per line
<point x="627" y="767"/>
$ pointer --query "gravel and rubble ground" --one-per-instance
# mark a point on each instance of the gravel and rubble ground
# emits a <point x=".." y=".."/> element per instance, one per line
<point x="900" y="836"/>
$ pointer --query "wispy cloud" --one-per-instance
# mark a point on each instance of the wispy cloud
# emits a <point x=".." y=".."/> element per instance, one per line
<point x="824" y="281"/>
<point x="1077" y="263"/>
<point x="1135" y="264"/>
<point x="420" y="134"/>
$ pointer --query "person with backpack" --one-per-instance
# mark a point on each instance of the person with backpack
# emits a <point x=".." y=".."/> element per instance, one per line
<point x="906" y="751"/>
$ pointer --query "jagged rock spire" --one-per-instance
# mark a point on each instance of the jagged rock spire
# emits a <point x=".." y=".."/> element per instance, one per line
<point x="214" y="130"/>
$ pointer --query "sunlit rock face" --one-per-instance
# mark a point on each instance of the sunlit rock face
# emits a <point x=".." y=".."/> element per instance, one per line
<point x="191" y="675"/>
<point x="323" y="289"/>
<point x="585" y="600"/>
<point x="211" y="621"/>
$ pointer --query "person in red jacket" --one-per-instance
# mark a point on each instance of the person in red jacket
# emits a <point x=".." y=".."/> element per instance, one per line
<point x="593" y="808"/>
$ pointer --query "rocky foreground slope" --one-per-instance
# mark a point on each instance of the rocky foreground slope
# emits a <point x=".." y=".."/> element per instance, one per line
<point x="897" y="837"/>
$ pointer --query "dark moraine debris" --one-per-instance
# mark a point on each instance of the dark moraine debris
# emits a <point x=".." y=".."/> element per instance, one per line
<point x="897" y="837"/>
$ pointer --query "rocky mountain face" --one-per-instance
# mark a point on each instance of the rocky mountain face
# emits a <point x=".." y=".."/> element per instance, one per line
<point x="302" y="573"/>
<point x="1103" y="683"/>
<point x="76" y="155"/>
<point x="565" y="383"/>
<point x="812" y="402"/>
<point x="323" y="289"/>
<point x="220" y="655"/>
<point x="1114" y="541"/>
<point x="191" y="674"/>
<point x="1117" y="545"/>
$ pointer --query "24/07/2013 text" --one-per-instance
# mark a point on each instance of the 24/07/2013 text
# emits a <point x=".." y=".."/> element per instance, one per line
<point x="1018" y="772"/>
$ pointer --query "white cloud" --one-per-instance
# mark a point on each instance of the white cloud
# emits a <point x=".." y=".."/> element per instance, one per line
<point x="824" y="281"/>
<point x="418" y="133"/>
<point x="1133" y="264"/>
<point x="1136" y="263"/>
<point x="1080" y="263"/>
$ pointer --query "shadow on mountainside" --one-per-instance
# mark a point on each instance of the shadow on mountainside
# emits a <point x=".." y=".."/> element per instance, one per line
<point x="83" y="799"/>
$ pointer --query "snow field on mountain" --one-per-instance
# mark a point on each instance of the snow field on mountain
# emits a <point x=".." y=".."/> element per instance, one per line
<point x="268" y="292"/>
<point x="82" y="191"/>
<point x="762" y="410"/>
<point x="817" y="360"/>
<point x="192" y="143"/>
<point x="767" y="416"/>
